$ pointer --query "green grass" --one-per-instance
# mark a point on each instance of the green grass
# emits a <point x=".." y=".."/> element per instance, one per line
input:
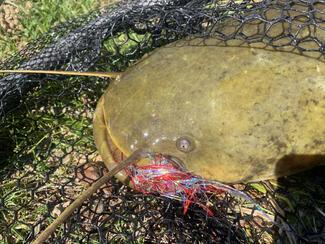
<point x="50" y="139"/>
<point x="37" y="17"/>
<point x="46" y="13"/>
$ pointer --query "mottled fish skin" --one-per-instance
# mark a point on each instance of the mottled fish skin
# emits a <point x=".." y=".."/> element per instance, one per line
<point x="252" y="114"/>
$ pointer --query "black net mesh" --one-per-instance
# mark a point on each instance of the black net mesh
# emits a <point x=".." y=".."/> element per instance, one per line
<point x="47" y="150"/>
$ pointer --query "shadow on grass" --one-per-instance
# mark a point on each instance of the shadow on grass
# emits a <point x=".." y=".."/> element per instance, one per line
<point x="301" y="202"/>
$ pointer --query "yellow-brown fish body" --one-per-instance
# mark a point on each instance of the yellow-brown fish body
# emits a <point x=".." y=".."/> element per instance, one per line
<point x="231" y="114"/>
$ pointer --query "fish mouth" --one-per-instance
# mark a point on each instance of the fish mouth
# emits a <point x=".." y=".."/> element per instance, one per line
<point x="178" y="163"/>
<point x="110" y="152"/>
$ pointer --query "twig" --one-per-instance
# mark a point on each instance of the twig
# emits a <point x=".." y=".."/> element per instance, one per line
<point x="63" y="72"/>
<point x="86" y="194"/>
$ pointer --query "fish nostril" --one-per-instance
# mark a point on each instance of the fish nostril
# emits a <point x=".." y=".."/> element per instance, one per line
<point x="185" y="144"/>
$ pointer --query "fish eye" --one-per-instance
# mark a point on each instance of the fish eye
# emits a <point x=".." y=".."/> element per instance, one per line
<point x="185" y="144"/>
